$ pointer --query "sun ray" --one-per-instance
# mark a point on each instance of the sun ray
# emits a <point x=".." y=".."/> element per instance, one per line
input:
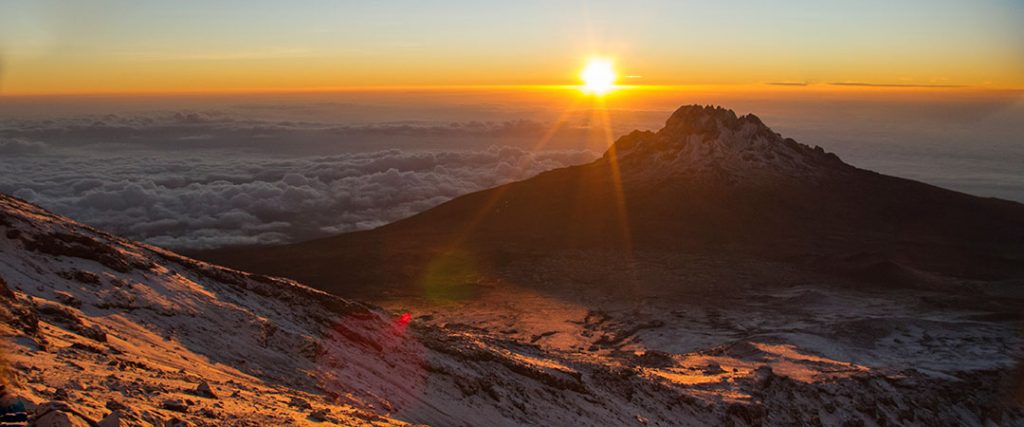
<point x="604" y="120"/>
<point x="498" y="192"/>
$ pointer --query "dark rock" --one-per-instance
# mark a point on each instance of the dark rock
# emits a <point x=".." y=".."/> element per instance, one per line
<point x="204" y="390"/>
<point x="112" y="419"/>
<point x="59" y="414"/>
<point x="713" y="369"/>
<point x="207" y="413"/>
<point x="67" y="299"/>
<point x="82" y="347"/>
<point x="16" y="312"/>
<point x="5" y="292"/>
<point x="63" y="315"/>
<point x="749" y="414"/>
<point x="176" y="405"/>
<point x="84" y="247"/>
<point x="300" y="403"/>
<point x="763" y="375"/>
<point x="81" y="276"/>
<point x="94" y="332"/>
<point x="58" y="314"/>
<point x="311" y="348"/>
<point x="115" y="405"/>
<point x="61" y="394"/>
<point x="117" y="298"/>
<point x="654" y="359"/>
<point x="538" y="337"/>
<point x="319" y="415"/>
<point x="178" y="422"/>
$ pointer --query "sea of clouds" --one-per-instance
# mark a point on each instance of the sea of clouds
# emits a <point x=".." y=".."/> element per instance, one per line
<point x="192" y="181"/>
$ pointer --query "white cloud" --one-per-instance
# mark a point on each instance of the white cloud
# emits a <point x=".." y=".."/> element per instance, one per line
<point x="218" y="198"/>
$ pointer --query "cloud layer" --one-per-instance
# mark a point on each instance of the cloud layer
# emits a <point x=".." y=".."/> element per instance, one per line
<point x="222" y="199"/>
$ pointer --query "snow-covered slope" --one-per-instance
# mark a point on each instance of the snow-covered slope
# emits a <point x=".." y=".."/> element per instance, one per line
<point x="101" y="324"/>
<point x="98" y="329"/>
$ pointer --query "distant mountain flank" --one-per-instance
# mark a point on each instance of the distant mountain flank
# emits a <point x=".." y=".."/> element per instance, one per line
<point x="709" y="182"/>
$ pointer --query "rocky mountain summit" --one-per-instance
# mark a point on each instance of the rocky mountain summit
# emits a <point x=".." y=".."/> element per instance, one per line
<point x="713" y="142"/>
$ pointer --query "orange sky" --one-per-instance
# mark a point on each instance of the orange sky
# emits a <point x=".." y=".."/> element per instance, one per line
<point x="146" y="47"/>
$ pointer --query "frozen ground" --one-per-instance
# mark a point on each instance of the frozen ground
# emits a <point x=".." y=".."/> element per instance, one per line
<point x="98" y="329"/>
<point x="714" y="331"/>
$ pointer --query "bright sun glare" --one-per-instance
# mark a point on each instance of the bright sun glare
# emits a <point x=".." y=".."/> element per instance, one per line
<point x="598" y="77"/>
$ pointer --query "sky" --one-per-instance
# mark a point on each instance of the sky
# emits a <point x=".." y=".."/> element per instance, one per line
<point x="52" y="47"/>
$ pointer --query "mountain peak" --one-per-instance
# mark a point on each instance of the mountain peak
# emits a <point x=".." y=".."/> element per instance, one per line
<point x="702" y="140"/>
<point x="696" y="119"/>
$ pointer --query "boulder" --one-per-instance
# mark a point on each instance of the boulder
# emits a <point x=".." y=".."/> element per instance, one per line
<point x="763" y="376"/>
<point x="176" y="405"/>
<point x="204" y="390"/>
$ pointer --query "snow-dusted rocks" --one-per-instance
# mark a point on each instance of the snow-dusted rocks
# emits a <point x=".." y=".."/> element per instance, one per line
<point x="96" y="328"/>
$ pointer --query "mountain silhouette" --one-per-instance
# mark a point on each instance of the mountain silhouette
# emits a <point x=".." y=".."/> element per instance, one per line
<point x="710" y="183"/>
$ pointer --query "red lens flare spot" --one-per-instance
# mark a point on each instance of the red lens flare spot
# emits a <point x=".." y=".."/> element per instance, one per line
<point x="372" y="357"/>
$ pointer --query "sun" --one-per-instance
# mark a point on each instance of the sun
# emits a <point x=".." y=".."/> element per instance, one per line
<point x="598" y="76"/>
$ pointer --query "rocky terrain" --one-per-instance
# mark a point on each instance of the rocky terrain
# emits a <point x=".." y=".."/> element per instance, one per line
<point x="98" y="330"/>
<point x="711" y="273"/>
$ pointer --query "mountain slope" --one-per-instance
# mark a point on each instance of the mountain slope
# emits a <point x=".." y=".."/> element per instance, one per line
<point x="98" y="330"/>
<point x="709" y="182"/>
<point x="95" y="325"/>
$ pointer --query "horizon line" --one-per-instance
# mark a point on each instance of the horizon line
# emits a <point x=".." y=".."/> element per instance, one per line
<point x="783" y="85"/>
